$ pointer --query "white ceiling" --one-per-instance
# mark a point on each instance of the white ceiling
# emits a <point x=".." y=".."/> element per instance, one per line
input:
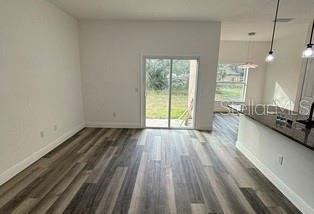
<point x="239" y="31"/>
<point x="238" y="17"/>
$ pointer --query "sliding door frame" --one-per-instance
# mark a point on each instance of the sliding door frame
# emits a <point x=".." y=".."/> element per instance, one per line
<point x="143" y="88"/>
<point x="170" y="95"/>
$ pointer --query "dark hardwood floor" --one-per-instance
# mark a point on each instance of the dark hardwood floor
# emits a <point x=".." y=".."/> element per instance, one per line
<point x="145" y="171"/>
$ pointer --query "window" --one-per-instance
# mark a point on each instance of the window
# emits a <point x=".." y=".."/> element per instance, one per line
<point x="231" y="83"/>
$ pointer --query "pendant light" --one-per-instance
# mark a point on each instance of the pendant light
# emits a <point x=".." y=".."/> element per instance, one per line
<point x="270" y="56"/>
<point x="309" y="52"/>
<point x="249" y="64"/>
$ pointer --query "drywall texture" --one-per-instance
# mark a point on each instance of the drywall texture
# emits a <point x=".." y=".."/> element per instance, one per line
<point x="40" y="82"/>
<point x="111" y="54"/>
<point x="282" y="75"/>
<point x="236" y="52"/>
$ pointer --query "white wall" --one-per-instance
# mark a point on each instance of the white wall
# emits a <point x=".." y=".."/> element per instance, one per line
<point x="237" y="52"/>
<point x="282" y="76"/>
<point x="263" y="146"/>
<point x="40" y="83"/>
<point x="305" y="91"/>
<point x="111" y="53"/>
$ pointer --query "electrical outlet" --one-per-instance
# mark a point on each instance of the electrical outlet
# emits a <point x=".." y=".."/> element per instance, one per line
<point x="55" y="127"/>
<point x="280" y="160"/>
<point x="114" y="114"/>
<point x="42" y="134"/>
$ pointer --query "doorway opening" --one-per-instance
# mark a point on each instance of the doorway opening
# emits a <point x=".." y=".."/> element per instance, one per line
<point x="170" y="92"/>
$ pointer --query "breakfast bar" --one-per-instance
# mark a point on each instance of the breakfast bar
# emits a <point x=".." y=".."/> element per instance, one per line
<point x="281" y="148"/>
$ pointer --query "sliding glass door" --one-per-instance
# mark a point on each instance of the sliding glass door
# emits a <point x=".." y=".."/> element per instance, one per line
<point x="170" y="92"/>
<point x="157" y="72"/>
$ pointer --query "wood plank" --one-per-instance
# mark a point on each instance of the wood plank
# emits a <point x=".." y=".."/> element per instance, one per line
<point x="199" y="136"/>
<point x="109" y="199"/>
<point x="91" y="141"/>
<point x="142" y="138"/>
<point x="44" y="205"/>
<point x="69" y="147"/>
<point x="210" y="198"/>
<point x="20" y="186"/>
<point x="16" y="180"/>
<point x="228" y="193"/>
<point x="69" y="177"/>
<point x="170" y="191"/>
<point x="201" y="153"/>
<point x="184" y="141"/>
<point x="80" y="202"/>
<point x="276" y="196"/>
<point x="255" y="202"/>
<point x="195" y="194"/>
<point x="181" y="192"/>
<point x="157" y="148"/>
<point x="102" y="165"/>
<point x="65" y="199"/>
<point x="145" y="171"/>
<point x="25" y="206"/>
<point x="220" y="191"/>
<point x="52" y="178"/>
<point x="239" y="172"/>
<point x="84" y="157"/>
<point x="125" y="195"/>
<point x="198" y="208"/>
<point x="137" y="192"/>
<point x="266" y="199"/>
<point x="277" y="210"/>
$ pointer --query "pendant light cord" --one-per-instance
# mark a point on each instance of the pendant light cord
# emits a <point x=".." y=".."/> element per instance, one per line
<point x="274" y="28"/>
<point x="250" y="46"/>
<point x="248" y="49"/>
<point x="311" y="37"/>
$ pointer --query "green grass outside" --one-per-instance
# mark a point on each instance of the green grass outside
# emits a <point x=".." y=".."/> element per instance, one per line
<point x="229" y="93"/>
<point x="157" y="101"/>
<point x="157" y="104"/>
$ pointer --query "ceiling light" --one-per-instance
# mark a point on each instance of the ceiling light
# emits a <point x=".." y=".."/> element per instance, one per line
<point x="308" y="52"/>
<point x="270" y="56"/>
<point x="249" y="64"/>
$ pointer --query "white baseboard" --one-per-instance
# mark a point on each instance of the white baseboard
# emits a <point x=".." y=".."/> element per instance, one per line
<point x="289" y="193"/>
<point x="113" y="125"/>
<point x="11" y="172"/>
<point x="132" y="126"/>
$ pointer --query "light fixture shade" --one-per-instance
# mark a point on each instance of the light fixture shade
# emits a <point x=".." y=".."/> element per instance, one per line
<point x="270" y="57"/>
<point x="308" y="53"/>
<point x="248" y="65"/>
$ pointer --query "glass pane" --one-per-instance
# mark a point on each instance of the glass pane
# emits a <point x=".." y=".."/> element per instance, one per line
<point x="230" y="92"/>
<point x="182" y="92"/>
<point x="230" y="73"/>
<point x="157" y="92"/>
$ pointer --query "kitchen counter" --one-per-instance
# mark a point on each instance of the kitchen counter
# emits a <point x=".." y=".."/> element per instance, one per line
<point x="286" y="124"/>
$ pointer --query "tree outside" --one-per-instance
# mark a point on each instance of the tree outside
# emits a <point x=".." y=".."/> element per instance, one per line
<point x="230" y="83"/>
<point x="157" y="83"/>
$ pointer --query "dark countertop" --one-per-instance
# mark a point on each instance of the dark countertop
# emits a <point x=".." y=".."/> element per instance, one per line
<point x="268" y="117"/>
